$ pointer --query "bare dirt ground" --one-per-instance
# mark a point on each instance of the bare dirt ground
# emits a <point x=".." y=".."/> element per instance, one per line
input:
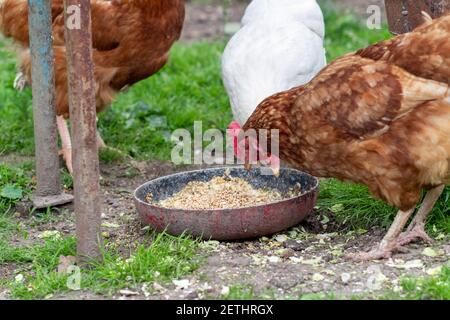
<point x="358" y="6"/>
<point x="207" y="22"/>
<point x="306" y="259"/>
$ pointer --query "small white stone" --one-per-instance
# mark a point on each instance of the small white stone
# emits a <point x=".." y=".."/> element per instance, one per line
<point x="281" y="238"/>
<point x="274" y="259"/>
<point x="182" y="284"/>
<point x="376" y="281"/>
<point x="434" y="271"/>
<point x="412" y="264"/>
<point x="225" y="291"/>
<point x="158" y="287"/>
<point x="430" y="252"/>
<point x="317" y="277"/>
<point x="345" y="277"/>
<point x="19" y="278"/>
<point x="128" y="293"/>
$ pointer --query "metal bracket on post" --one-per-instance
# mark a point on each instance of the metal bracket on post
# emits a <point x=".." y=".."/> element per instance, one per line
<point x="84" y="130"/>
<point x="48" y="192"/>
<point x="405" y="15"/>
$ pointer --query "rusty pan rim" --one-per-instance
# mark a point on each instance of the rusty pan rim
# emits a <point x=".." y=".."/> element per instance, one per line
<point x="175" y="210"/>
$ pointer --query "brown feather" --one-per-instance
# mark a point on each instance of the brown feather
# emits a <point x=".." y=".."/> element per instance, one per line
<point x="425" y="52"/>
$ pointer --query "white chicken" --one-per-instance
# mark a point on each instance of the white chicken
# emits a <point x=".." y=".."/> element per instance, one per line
<point x="280" y="46"/>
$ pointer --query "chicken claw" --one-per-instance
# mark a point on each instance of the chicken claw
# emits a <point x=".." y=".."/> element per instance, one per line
<point x="389" y="244"/>
<point x="20" y="82"/>
<point x="378" y="253"/>
<point x="417" y="233"/>
<point x="416" y="230"/>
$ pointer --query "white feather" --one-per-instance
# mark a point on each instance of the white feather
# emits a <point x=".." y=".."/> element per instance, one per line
<point x="280" y="46"/>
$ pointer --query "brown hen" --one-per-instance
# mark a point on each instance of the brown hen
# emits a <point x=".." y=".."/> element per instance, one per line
<point x="425" y="52"/>
<point x="368" y="122"/>
<point x="131" y="41"/>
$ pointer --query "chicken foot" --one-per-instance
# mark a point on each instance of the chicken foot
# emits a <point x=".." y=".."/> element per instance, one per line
<point x="394" y="239"/>
<point x="416" y="230"/>
<point x="100" y="143"/>
<point x="20" y="82"/>
<point x="389" y="244"/>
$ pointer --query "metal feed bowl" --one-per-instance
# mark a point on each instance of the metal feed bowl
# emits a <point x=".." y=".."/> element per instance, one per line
<point x="228" y="224"/>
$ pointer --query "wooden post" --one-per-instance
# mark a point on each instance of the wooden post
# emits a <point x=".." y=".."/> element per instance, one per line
<point x="84" y="128"/>
<point x="48" y="192"/>
<point x="405" y="15"/>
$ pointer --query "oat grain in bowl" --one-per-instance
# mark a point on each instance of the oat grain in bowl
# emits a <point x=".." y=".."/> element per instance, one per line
<point x="221" y="193"/>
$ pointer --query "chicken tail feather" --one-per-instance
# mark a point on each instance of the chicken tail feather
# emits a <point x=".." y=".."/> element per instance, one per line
<point x="420" y="89"/>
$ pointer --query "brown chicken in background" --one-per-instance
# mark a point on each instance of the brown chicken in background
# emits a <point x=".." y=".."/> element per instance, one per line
<point x="383" y="122"/>
<point x="131" y="41"/>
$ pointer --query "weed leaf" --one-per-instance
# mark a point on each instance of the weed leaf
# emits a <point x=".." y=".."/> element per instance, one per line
<point x="11" y="192"/>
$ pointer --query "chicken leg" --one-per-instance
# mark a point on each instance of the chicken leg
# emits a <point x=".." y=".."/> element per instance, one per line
<point x="416" y="229"/>
<point x="389" y="244"/>
<point x="100" y="143"/>
<point x="66" y="142"/>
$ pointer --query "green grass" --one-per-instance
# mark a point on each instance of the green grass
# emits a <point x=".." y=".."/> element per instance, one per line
<point x="425" y="288"/>
<point x="15" y="184"/>
<point x="169" y="256"/>
<point x="140" y="122"/>
<point x="15" y="109"/>
<point x="188" y="89"/>
<point x="354" y="206"/>
<point x="165" y="259"/>
<point x="109" y="155"/>
<point x="436" y="288"/>
<point x="345" y="33"/>
<point x="42" y="279"/>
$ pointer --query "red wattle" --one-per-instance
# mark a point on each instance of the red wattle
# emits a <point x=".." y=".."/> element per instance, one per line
<point x="235" y="128"/>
